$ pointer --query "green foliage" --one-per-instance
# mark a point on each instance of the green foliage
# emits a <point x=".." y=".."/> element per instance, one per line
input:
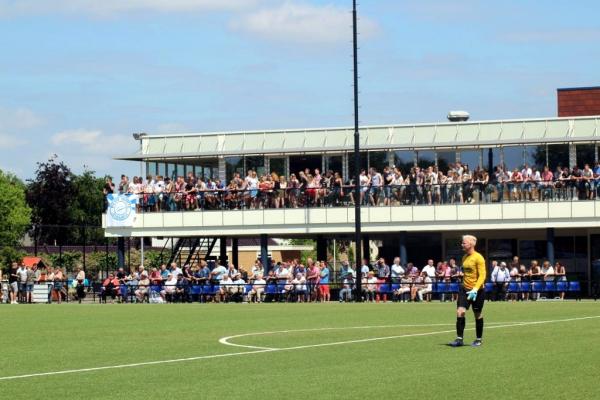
<point x="152" y="259"/>
<point x="306" y="254"/>
<point x="67" y="260"/>
<point x="15" y="214"/>
<point x="100" y="261"/>
<point x="8" y="255"/>
<point x="88" y="204"/>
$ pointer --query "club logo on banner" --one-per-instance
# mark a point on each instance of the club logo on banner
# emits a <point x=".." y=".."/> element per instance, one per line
<point x="121" y="210"/>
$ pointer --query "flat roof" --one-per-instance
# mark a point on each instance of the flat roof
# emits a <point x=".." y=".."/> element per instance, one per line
<point x="467" y="134"/>
<point x="579" y="88"/>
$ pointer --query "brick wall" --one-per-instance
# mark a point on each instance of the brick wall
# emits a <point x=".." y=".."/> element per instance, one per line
<point x="578" y="102"/>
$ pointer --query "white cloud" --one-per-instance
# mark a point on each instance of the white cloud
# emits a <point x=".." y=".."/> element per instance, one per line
<point x="18" y="119"/>
<point x="11" y="141"/>
<point x="107" y="8"/>
<point x="554" y="36"/>
<point x="171" y="127"/>
<point x="92" y="142"/>
<point x="303" y="23"/>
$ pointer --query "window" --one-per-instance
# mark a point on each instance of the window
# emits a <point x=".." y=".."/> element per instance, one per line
<point x="488" y="164"/>
<point x="172" y="171"/>
<point x="532" y="250"/>
<point x="277" y="165"/>
<point x="532" y="156"/>
<point x="256" y="163"/>
<point x="233" y="165"/>
<point x="378" y="160"/>
<point x="444" y="159"/>
<point x="425" y="158"/>
<point x="180" y="170"/>
<point x="404" y="159"/>
<point x="513" y="157"/>
<point x="585" y="154"/>
<point x="470" y="158"/>
<point x="557" y="154"/>
<point x="162" y="169"/>
<point x="334" y="163"/>
<point x="502" y="249"/>
<point x="363" y="163"/>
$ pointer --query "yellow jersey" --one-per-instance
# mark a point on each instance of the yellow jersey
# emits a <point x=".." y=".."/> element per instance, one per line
<point x="474" y="271"/>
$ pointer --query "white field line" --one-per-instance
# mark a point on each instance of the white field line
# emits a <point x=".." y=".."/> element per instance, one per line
<point x="270" y="350"/>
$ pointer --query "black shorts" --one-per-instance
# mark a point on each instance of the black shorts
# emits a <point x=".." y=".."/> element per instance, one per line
<point x="465" y="303"/>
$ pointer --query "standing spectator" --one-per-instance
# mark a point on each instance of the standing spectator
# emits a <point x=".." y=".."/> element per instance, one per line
<point x="324" y="282"/>
<point x="547" y="271"/>
<point x="58" y="284"/>
<point x="500" y="279"/>
<point x="30" y="281"/>
<point x="535" y="275"/>
<point x="383" y="270"/>
<point x="365" y="267"/>
<point x="22" y="276"/>
<point x="561" y="276"/>
<point x="429" y="270"/>
<point x="80" y="279"/>
<point x="397" y="272"/>
<point x="312" y="279"/>
<point x="13" y="281"/>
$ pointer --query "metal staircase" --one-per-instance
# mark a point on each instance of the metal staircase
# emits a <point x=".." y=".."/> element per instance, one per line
<point x="191" y="250"/>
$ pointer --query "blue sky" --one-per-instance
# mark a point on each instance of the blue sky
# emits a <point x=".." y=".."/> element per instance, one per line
<point x="77" y="77"/>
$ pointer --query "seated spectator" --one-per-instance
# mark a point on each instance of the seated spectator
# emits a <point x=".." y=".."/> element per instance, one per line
<point x="110" y="286"/>
<point x="425" y="289"/>
<point x="168" y="289"/>
<point x="143" y="287"/>
<point x="370" y="286"/>
<point x="237" y="288"/>
<point x="224" y="289"/>
<point x="500" y="278"/>
<point x="182" y="289"/>
<point x="404" y="290"/>
<point x="256" y="294"/>
<point x="347" y="287"/>
<point x="299" y="283"/>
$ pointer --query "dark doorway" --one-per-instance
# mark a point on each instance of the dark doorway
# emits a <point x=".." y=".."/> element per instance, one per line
<point x="299" y="163"/>
<point x="419" y="247"/>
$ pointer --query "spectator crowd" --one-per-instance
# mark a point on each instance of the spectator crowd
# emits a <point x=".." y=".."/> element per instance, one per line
<point x="391" y="186"/>
<point x="285" y="281"/>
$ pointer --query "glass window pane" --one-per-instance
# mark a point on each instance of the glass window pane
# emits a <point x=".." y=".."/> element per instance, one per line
<point x="558" y="155"/>
<point x="277" y="165"/>
<point x="363" y="163"/>
<point x="585" y="155"/>
<point x="502" y="249"/>
<point x="404" y="159"/>
<point x="532" y="249"/>
<point x="470" y="158"/>
<point x="172" y="171"/>
<point x="513" y="157"/>
<point x="256" y="163"/>
<point x="180" y="170"/>
<point x="535" y="156"/>
<point x="334" y="163"/>
<point x="162" y="169"/>
<point x="563" y="247"/>
<point x="490" y="164"/>
<point x="233" y="165"/>
<point x="378" y="160"/>
<point x="425" y="158"/>
<point x="445" y="159"/>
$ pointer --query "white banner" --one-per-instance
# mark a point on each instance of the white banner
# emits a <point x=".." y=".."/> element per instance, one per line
<point x="121" y="210"/>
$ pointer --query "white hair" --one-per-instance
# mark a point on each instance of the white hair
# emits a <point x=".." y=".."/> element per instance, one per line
<point x="470" y="238"/>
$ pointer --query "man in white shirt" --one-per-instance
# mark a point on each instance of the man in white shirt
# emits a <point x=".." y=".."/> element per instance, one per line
<point x="396" y="270"/>
<point x="429" y="269"/>
<point x="237" y="288"/>
<point x="500" y="279"/>
<point x="225" y="286"/>
<point x="218" y="273"/>
<point x="169" y="288"/>
<point x="175" y="270"/>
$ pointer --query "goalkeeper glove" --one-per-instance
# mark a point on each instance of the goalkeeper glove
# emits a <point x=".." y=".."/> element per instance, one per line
<point x="472" y="294"/>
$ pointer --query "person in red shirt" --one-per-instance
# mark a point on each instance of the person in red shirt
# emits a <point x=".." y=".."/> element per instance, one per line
<point x="109" y="288"/>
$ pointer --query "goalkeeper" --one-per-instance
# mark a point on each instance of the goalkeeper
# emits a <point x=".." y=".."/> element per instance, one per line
<point x="472" y="291"/>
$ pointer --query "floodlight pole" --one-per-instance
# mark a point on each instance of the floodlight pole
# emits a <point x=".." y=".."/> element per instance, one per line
<point x="357" y="228"/>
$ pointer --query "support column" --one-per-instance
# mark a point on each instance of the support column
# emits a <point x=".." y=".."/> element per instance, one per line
<point x="264" y="253"/>
<point x="235" y="252"/>
<point x="222" y="169"/>
<point x="550" y="245"/>
<point x="490" y="161"/>
<point x="121" y="252"/>
<point x="366" y="250"/>
<point x="223" y="250"/>
<point x="321" y="248"/>
<point x="403" y="252"/>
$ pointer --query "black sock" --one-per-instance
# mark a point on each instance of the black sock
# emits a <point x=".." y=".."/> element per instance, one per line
<point x="460" y="327"/>
<point x="479" y="328"/>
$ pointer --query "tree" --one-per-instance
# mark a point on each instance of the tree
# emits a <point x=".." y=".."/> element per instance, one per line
<point x="15" y="214"/>
<point x="88" y="204"/>
<point x="51" y="195"/>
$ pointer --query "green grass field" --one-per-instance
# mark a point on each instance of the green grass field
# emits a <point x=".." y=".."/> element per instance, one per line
<point x="394" y="351"/>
